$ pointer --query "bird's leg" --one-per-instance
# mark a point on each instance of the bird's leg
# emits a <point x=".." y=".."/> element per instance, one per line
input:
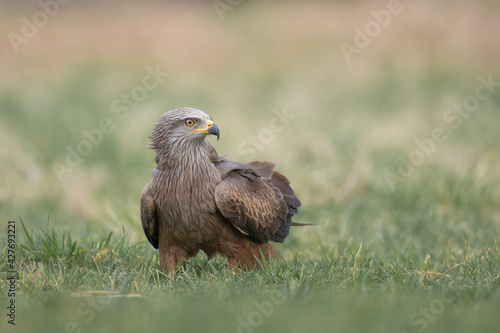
<point x="173" y="255"/>
<point x="168" y="259"/>
<point x="171" y="264"/>
<point x="233" y="263"/>
<point x="163" y="258"/>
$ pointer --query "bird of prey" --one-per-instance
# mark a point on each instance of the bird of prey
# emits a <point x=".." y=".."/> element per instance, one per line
<point x="198" y="200"/>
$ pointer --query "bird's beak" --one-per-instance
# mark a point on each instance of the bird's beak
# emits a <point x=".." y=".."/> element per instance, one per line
<point x="213" y="129"/>
<point x="210" y="128"/>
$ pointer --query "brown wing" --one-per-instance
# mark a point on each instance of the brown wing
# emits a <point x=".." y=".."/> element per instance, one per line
<point x="266" y="170"/>
<point x="148" y="217"/>
<point x="251" y="203"/>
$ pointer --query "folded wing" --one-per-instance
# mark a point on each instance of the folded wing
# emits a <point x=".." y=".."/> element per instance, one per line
<point x="148" y="217"/>
<point x="257" y="200"/>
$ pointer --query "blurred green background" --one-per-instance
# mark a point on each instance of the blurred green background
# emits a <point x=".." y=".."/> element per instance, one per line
<point x="350" y="123"/>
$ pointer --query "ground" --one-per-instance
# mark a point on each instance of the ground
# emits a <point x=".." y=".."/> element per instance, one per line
<point x="393" y="150"/>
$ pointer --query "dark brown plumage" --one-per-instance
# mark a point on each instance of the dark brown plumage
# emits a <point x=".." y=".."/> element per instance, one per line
<point x="197" y="200"/>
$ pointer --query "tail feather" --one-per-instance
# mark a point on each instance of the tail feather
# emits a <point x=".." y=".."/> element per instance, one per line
<point x="298" y="224"/>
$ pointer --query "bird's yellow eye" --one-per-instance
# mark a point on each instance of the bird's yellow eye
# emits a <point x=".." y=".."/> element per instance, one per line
<point x="190" y="122"/>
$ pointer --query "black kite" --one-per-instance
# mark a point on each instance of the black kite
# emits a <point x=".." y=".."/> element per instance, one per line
<point x="198" y="200"/>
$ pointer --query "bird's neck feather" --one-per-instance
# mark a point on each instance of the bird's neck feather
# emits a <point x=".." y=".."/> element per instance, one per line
<point x="182" y="154"/>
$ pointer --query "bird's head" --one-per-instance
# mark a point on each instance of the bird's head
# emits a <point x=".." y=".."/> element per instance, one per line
<point x="182" y="125"/>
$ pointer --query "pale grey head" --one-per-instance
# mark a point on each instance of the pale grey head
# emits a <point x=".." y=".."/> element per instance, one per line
<point x="181" y="127"/>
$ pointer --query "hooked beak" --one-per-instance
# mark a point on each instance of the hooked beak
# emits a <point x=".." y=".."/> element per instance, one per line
<point x="210" y="128"/>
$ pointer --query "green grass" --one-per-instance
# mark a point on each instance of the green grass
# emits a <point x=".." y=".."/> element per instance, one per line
<point x="386" y="287"/>
<point x="423" y="257"/>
